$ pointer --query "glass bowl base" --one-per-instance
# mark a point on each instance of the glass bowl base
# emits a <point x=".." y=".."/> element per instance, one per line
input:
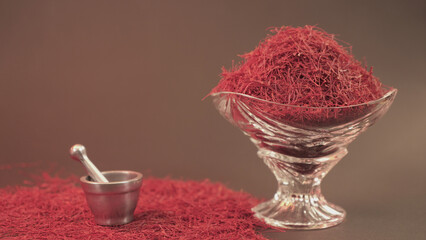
<point x="301" y="215"/>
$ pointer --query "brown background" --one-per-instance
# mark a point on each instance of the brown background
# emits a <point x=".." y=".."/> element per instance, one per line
<point x="126" y="78"/>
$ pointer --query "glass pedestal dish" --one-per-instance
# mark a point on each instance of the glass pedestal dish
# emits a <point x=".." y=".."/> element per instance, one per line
<point x="300" y="151"/>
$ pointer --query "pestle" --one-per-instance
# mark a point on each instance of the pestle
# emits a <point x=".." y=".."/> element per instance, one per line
<point x="78" y="153"/>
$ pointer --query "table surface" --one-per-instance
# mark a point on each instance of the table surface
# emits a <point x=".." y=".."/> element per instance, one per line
<point x="393" y="219"/>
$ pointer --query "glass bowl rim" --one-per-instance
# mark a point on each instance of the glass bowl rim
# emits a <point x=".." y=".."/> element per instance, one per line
<point x="390" y="93"/>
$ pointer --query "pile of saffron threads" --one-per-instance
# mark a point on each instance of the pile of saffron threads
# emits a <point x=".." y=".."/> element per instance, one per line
<point x="56" y="208"/>
<point x="304" y="67"/>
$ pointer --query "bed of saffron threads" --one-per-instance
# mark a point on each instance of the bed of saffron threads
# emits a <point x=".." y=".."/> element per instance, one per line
<point x="306" y="67"/>
<point x="56" y="208"/>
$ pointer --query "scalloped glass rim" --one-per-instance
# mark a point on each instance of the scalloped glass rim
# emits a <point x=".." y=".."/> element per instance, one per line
<point x="390" y="92"/>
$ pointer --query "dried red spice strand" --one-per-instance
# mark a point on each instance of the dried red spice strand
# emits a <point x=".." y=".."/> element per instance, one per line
<point x="55" y="208"/>
<point x="305" y="67"/>
<point x="18" y="165"/>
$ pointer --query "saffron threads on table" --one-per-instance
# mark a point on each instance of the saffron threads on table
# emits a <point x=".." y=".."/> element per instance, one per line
<point x="56" y="208"/>
<point x="303" y="67"/>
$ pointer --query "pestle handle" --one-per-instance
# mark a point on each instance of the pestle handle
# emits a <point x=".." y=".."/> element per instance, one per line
<point x="78" y="153"/>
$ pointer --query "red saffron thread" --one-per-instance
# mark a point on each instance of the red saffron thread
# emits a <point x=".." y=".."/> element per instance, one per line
<point x="18" y="165"/>
<point x="56" y="208"/>
<point x="306" y="67"/>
